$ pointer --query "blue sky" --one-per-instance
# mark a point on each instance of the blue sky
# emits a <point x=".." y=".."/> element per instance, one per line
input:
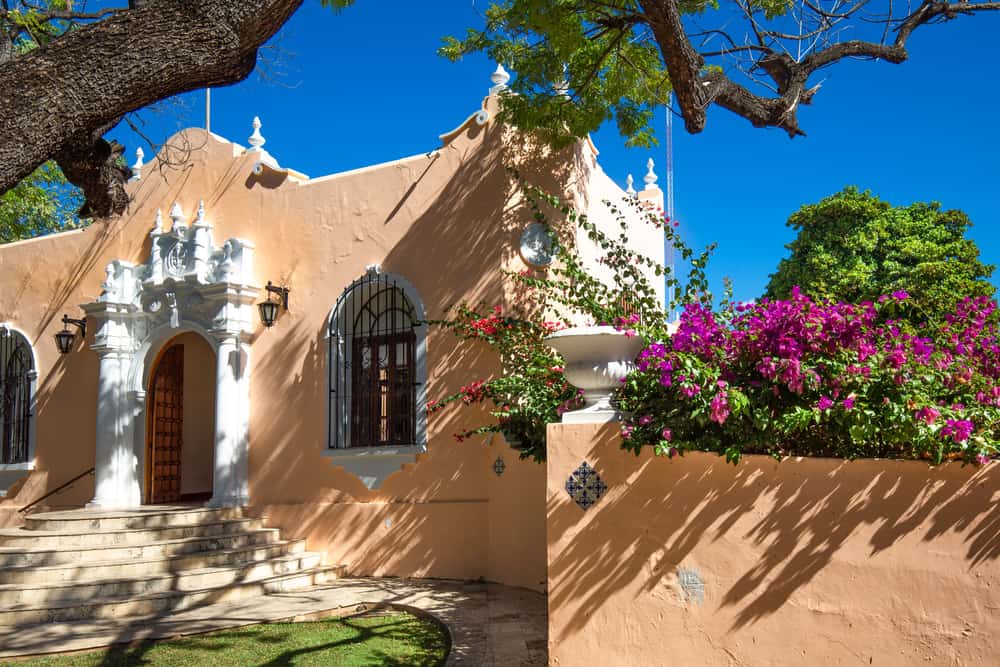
<point x="341" y="91"/>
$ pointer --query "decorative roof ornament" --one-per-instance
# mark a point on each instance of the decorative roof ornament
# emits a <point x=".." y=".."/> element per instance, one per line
<point x="630" y="190"/>
<point x="137" y="167"/>
<point x="650" y="178"/>
<point x="199" y="219"/>
<point x="177" y="216"/>
<point x="500" y="78"/>
<point x="158" y="224"/>
<point x="256" y="140"/>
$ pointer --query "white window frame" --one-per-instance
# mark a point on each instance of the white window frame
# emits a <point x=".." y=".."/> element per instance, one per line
<point x="373" y="464"/>
<point x="32" y="407"/>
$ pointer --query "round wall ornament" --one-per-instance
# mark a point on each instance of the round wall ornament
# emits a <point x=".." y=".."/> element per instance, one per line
<point x="537" y="245"/>
<point x="176" y="260"/>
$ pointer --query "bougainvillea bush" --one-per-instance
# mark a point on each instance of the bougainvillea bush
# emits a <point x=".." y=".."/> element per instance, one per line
<point x="530" y="392"/>
<point x="801" y="377"/>
<point x="792" y="377"/>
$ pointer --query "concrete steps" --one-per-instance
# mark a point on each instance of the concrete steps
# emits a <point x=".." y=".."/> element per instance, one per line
<point x="87" y="564"/>
<point x="20" y="556"/>
<point x="152" y="516"/>
<point x="101" y="570"/>
<point x="49" y="539"/>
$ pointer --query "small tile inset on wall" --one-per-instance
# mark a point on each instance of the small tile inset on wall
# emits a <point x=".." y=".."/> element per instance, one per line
<point x="499" y="466"/>
<point x="692" y="584"/>
<point x="585" y="486"/>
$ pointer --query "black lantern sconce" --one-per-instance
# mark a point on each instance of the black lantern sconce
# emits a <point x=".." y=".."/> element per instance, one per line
<point x="269" y="309"/>
<point x="65" y="338"/>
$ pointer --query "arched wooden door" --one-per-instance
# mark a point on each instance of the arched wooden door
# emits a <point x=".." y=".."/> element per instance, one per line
<point x="166" y="427"/>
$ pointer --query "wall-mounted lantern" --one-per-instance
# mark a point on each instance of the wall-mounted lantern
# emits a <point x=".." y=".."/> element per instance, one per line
<point x="65" y="338"/>
<point x="269" y="309"/>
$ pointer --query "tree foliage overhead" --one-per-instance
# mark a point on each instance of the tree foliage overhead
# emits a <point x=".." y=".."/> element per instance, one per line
<point x="623" y="58"/>
<point x="854" y="247"/>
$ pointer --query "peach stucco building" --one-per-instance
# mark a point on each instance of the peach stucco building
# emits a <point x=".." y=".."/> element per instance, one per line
<point x="178" y="392"/>
<point x="317" y="425"/>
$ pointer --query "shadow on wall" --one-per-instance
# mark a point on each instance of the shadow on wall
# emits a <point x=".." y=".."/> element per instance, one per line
<point x="60" y="454"/>
<point x="432" y="517"/>
<point x="65" y="413"/>
<point x="399" y="527"/>
<point x="793" y="519"/>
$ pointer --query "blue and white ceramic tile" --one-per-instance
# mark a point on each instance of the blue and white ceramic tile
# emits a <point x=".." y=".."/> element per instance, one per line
<point x="585" y="486"/>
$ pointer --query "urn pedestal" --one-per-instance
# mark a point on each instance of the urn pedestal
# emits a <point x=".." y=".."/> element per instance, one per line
<point x="596" y="361"/>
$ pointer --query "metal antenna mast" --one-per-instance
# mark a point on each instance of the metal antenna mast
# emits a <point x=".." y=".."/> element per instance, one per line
<point x="668" y="248"/>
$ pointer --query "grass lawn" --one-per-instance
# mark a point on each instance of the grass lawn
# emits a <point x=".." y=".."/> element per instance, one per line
<point x="392" y="638"/>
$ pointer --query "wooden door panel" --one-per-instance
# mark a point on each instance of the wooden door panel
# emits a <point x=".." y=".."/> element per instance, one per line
<point x="166" y="427"/>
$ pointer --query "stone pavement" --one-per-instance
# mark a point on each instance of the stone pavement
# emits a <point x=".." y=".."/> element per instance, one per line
<point x="489" y="624"/>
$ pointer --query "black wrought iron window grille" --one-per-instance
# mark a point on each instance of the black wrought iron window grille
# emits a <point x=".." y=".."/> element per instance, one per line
<point x="372" y="353"/>
<point x="17" y="374"/>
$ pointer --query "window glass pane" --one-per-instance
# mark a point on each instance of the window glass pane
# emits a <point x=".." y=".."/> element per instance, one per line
<point x="377" y="329"/>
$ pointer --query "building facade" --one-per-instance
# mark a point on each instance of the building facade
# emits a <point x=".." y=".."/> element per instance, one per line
<point x="177" y="392"/>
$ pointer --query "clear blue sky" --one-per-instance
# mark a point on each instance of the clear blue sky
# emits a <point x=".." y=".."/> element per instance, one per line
<point x="366" y="86"/>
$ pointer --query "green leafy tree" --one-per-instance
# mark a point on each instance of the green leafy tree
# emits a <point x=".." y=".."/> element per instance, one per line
<point x="581" y="62"/>
<point x="854" y="247"/>
<point x="42" y="203"/>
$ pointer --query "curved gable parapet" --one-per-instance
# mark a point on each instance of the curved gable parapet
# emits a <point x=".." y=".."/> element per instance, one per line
<point x="476" y="119"/>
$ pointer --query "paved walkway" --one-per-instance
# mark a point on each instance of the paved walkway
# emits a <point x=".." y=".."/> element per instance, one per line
<point x="489" y="624"/>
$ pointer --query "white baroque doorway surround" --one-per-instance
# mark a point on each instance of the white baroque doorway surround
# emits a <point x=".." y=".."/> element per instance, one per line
<point x="187" y="284"/>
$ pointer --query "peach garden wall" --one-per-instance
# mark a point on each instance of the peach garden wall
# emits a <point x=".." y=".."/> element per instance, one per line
<point x="803" y="561"/>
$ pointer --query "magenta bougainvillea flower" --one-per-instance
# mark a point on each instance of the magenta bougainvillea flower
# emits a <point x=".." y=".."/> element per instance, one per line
<point x="827" y="378"/>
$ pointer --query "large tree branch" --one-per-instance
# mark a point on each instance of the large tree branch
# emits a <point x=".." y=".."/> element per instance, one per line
<point x="695" y="86"/>
<point x="54" y="99"/>
<point x="683" y="62"/>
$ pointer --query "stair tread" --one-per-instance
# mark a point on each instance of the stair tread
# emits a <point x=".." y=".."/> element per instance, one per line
<point x="149" y="510"/>
<point x="318" y="569"/>
<point x="165" y="575"/>
<point x="96" y="547"/>
<point x="128" y="561"/>
<point x="24" y="532"/>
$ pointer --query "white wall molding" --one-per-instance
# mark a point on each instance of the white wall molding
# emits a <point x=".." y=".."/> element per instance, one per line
<point x="187" y="284"/>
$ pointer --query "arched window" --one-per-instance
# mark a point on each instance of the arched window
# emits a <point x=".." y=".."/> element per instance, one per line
<point x="17" y="375"/>
<point x="376" y="365"/>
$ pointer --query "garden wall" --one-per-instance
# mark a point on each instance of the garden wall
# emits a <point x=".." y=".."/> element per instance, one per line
<point x="804" y="561"/>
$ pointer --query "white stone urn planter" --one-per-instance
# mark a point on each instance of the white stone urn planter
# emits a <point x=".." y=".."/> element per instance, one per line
<point x="596" y="360"/>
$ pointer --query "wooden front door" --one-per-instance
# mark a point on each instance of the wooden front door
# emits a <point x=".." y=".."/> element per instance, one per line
<point x="166" y="428"/>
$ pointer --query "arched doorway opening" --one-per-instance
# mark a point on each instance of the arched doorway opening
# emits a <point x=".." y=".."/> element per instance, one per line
<point x="180" y="428"/>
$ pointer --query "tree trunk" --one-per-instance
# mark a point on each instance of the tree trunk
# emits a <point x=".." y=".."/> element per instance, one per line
<point x="55" y="99"/>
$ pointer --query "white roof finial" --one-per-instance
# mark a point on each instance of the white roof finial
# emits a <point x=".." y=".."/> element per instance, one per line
<point x="499" y="78"/>
<point x="158" y="223"/>
<point x="650" y="178"/>
<point x="177" y="215"/>
<point x="137" y="167"/>
<point x="630" y="191"/>
<point x="256" y="139"/>
<point x="199" y="218"/>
